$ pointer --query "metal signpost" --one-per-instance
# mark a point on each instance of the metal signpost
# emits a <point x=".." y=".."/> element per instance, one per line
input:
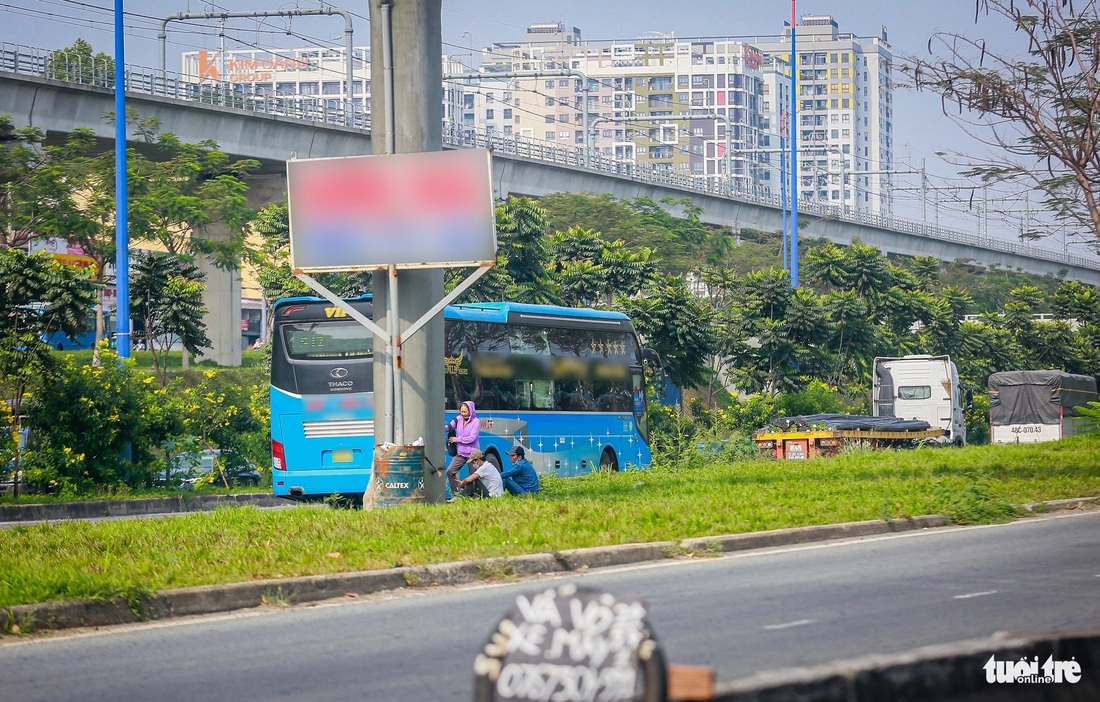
<point x="420" y="210"/>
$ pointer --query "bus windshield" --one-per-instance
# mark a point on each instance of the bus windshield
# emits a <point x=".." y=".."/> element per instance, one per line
<point x="324" y="340"/>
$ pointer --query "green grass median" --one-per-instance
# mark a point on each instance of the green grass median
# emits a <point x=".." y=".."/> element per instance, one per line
<point x="133" y="558"/>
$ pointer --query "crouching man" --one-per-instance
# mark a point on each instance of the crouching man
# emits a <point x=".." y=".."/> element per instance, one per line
<point x="484" y="479"/>
<point x="520" y="478"/>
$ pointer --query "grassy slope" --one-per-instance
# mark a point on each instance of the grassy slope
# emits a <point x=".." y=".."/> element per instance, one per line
<point x="131" y="557"/>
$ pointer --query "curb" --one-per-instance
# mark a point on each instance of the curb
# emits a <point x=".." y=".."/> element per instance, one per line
<point x="126" y="508"/>
<point x="801" y="535"/>
<point x="209" y="599"/>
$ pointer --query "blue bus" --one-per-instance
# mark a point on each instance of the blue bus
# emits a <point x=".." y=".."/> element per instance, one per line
<point x="322" y="399"/>
<point x="567" y="384"/>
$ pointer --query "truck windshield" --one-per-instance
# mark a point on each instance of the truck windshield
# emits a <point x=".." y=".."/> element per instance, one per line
<point x="914" y="392"/>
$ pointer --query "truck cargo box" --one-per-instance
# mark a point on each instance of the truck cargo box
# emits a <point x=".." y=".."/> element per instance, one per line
<point x="1031" y="406"/>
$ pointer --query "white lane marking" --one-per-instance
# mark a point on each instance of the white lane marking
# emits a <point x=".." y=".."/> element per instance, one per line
<point x="975" y="594"/>
<point x="788" y="625"/>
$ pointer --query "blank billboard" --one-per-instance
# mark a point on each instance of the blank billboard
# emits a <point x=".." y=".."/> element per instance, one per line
<point x="421" y="210"/>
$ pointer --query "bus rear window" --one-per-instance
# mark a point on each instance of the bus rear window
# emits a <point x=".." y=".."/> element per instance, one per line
<point x="324" y="340"/>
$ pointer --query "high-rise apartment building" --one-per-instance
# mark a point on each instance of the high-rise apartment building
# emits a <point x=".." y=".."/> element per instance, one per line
<point x="673" y="104"/>
<point x="655" y="99"/>
<point x="844" y="113"/>
<point x="654" y="83"/>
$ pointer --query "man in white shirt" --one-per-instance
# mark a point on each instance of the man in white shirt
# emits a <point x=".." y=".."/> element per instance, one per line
<point x="484" y="479"/>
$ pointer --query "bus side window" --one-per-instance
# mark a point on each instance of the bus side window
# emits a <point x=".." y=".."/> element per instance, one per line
<point x="570" y="397"/>
<point x="542" y="393"/>
<point x="612" y="397"/>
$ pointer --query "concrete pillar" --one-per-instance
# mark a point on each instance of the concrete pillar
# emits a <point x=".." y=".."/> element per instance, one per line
<point x="222" y="299"/>
<point x="417" y="80"/>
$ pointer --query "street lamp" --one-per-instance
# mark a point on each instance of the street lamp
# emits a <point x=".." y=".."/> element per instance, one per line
<point x="122" y="237"/>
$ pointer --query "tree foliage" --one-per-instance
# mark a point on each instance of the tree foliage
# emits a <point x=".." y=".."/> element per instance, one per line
<point x="37" y="298"/>
<point x="77" y="64"/>
<point x="188" y="198"/>
<point x="33" y="179"/>
<point x="677" y="325"/>
<point x="166" y="296"/>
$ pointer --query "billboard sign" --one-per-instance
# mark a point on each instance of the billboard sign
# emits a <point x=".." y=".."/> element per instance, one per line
<point x="431" y="209"/>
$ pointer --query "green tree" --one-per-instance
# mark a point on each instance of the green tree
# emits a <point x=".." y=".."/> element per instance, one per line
<point x="189" y="198"/>
<point x="166" y="296"/>
<point x="37" y="298"/>
<point x="851" y="337"/>
<point x="1075" y="300"/>
<point x="1019" y="321"/>
<point x="520" y="227"/>
<point x="927" y="270"/>
<point x="53" y="191"/>
<point x="34" y="180"/>
<point x="719" y="290"/>
<point x="580" y="283"/>
<point x="781" y="331"/>
<point x="626" y="272"/>
<point x="577" y="268"/>
<point x="676" y="324"/>
<point x="77" y="64"/>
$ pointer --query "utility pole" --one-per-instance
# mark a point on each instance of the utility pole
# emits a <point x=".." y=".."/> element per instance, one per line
<point x="122" y="223"/>
<point x="794" y="149"/>
<point x="410" y="115"/>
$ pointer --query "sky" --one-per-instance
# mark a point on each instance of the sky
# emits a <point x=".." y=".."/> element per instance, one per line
<point x="921" y="130"/>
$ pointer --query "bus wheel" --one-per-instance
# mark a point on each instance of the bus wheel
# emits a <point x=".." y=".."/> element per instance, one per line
<point x="608" y="462"/>
<point x="493" y="459"/>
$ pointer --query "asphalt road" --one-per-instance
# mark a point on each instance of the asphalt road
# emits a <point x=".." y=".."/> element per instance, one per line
<point x="739" y="614"/>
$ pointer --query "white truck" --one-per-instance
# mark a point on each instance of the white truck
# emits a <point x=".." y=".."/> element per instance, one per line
<point x="921" y="387"/>
<point x="1031" y="406"/>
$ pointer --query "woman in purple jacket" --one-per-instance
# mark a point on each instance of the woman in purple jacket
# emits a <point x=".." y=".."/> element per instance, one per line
<point x="467" y="429"/>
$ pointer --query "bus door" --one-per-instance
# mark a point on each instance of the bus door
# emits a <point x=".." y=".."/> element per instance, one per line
<point x="637" y="384"/>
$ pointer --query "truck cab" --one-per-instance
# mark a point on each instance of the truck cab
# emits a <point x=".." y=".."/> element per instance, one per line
<point x="921" y="387"/>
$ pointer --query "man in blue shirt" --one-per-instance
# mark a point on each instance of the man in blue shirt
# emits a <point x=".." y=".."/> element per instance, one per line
<point x="520" y="478"/>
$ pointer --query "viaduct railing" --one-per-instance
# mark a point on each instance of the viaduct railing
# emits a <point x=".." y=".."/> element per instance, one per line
<point x="73" y="68"/>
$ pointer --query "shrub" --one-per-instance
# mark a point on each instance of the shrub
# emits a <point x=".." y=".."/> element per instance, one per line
<point x="93" y="426"/>
<point x="817" y="398"/>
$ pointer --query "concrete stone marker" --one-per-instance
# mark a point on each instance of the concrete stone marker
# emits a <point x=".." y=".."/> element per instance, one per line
<point x="571" y="644"/>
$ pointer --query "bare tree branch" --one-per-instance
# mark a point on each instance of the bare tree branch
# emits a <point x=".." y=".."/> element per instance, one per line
<point x="1037" y="108"/>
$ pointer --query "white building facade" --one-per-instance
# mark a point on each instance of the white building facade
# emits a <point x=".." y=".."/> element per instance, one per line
<point x="844" y="113"/>
<point x="672" y="104"/>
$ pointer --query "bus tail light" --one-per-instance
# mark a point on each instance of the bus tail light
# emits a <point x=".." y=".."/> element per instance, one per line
<point x="278" y="456"/>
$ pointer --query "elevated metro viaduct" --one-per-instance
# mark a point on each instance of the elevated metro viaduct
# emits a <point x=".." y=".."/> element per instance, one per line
<point x="57" y="108"/>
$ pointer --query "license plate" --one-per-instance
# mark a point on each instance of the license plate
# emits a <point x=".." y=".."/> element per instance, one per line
<point x="342" y="456"/>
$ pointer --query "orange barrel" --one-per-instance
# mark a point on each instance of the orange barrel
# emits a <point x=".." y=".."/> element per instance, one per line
<point x="397" y="477"/>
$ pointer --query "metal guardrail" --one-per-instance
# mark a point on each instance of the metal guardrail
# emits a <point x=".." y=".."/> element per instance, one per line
<point x="72" y="68"/>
